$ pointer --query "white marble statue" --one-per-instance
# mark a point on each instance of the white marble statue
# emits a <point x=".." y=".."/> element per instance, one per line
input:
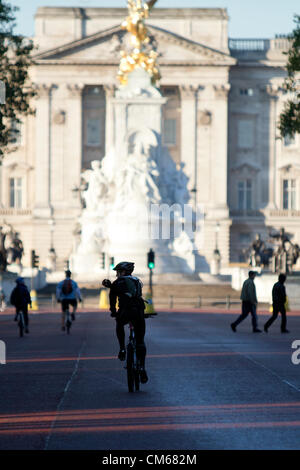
<point x="137" y="180"/>
<point x="97" y="189"/>
<point x="183" y="247"/>
<point x="181" y="192"/>
<point x="136" y="173"/>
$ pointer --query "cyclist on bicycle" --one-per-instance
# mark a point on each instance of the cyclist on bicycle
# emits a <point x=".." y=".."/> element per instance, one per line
<point x="128" y="290"/>
<point x="67" y="292"/>
<point x="20" y="298"/>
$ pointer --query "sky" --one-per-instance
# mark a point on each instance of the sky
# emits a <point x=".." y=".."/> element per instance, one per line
<point x="248" y="18"/>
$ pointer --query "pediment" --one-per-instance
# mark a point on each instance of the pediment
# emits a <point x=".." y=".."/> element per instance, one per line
<point x="290" y="168"/>
<point x="104" y="48"/>
<point x="246" y="167"/>
<point x="16" y="164"/>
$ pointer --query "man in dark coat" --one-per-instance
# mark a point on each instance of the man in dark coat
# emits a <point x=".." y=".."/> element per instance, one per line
<point x="249" y="303"/>
<point x="20" y="298"/>
<point x="279" y="300"/>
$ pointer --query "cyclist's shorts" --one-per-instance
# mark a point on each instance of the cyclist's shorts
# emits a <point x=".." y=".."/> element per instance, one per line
<point x="65" y="303"/>
<point x="134" y="315"/>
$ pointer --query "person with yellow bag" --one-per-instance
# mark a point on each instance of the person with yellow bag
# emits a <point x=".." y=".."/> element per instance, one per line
<point x="280" y="304"/>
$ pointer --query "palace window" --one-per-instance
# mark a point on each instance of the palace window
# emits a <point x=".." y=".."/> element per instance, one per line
<point x="289" y="141"/>
<point x="15" y="193"/>
<point x="245" y="238"/>
<point x="170" y="131"/>
<point x="16" y="133"/>
<point x="245" y="195"/>
<point x="289" y="194"/>
<point x="245" y="131"/>
<point x="247" y="91"/>
<point x="93" y="132"/>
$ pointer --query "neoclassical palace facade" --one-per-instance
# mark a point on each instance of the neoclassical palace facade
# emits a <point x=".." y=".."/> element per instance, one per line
<point x="224" y="98"/>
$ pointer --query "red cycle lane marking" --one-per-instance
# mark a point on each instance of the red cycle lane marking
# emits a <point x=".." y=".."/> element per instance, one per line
<point x="150" y="356"/>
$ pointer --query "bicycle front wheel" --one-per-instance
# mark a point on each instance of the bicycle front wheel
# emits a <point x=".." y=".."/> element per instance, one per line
<point x="130" y="370"/>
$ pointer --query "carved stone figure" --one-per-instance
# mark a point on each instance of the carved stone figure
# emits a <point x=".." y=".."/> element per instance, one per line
<point x="286" y="254"/>
<point x="11" y="247"/>
<point x="137" y="179"/>
<point x="182" y="194"/>
<point x="16" y="249"/>
<point x="258" y="253"/>
<point x="97" y="186"/>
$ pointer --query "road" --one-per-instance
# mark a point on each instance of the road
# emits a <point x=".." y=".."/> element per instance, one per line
<point x="208" y="388"/>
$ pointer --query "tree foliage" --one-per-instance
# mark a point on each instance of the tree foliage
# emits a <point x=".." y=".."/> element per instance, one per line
<point x="15" y="60"/>
<point x="290" y="118"/>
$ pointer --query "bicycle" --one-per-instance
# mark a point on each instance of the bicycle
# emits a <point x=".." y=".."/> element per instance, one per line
<point x="68" y="321"/>
<point x="132" y="362"/>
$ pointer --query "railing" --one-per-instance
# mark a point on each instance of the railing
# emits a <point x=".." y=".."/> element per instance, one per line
<point x="245" y="213"/>
<point x="8" y="212"/>
<point x="284" y="213"/>
<point x="247" y="45"/>
<point x="280" y="43"/>
<point x="243" y="46"/>
<point x="171" y="302"/>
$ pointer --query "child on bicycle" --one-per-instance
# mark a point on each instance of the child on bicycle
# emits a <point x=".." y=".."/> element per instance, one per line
<point x="20" y="298"/>
<point x="128" y="290"/>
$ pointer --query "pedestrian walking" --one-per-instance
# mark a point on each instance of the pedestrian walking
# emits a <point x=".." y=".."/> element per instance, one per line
<point x="279" y="300"/>
<point x="249" y="303"/>
<point x="20" y="298"/>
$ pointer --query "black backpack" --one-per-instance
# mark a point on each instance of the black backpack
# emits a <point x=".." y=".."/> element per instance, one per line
<point x="135" y="289"/>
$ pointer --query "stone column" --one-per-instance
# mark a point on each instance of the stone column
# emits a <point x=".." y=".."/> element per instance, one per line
<point x="74" y="138"/>
<point x="109" y="118"/>
<point x="217" y="211"/>
<point x="189" y="134"/>
<point x="270" y="95"/>
<point x="42" y="206"/>
<point x="220" y="152"/>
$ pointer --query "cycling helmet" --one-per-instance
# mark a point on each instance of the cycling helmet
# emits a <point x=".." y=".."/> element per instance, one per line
<point x="20" y="280"/>
<point x="125" y="266"/>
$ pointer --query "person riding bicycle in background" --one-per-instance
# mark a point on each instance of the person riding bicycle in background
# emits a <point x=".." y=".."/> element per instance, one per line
<point x="20" y="298"/>
<point x="67" y="292"/>
<point x="128" y="290"/>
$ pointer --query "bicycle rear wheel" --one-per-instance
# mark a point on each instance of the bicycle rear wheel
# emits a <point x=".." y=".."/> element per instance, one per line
<point x="21" y="325"/>
<point x="68" y="322"/>
<point x="129" y="366"/>
<point x="136" y="379"/>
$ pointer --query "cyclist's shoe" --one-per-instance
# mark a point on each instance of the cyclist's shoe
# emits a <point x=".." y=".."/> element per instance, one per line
<point x="26" y="330"/>
<point x="143" y="376"/>
<point x="73" y="316"/>
<point x="63" y="328"/>
<point x="122" y="355"/>
<point x="69" y="323"/>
